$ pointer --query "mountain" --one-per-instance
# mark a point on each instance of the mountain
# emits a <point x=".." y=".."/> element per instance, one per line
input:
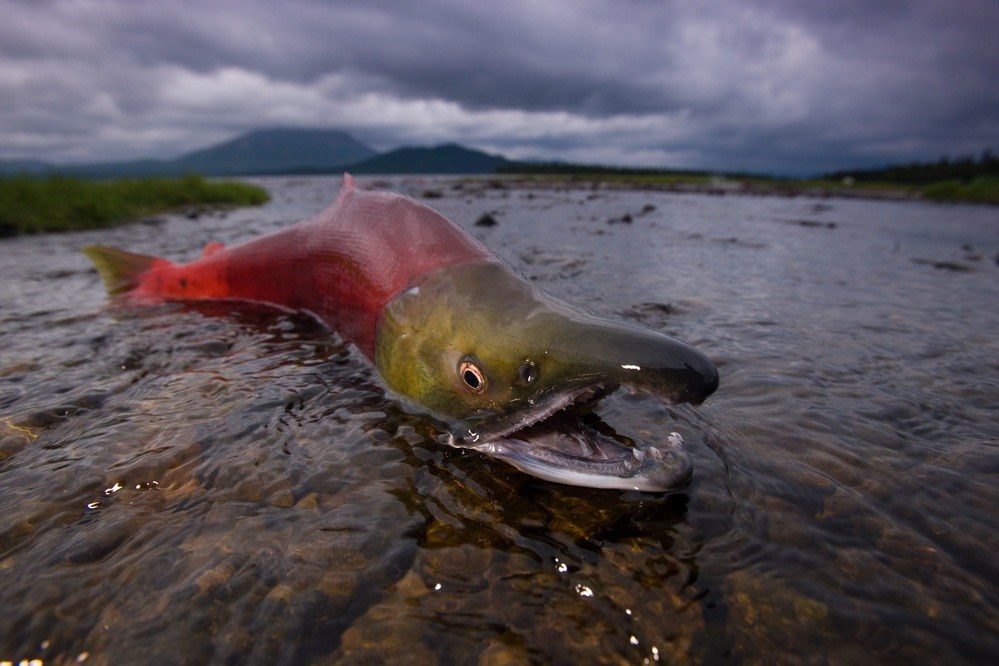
<point x="278" y="151"/>
<point x="448" y="158"/>
<point x="282" y="151"/>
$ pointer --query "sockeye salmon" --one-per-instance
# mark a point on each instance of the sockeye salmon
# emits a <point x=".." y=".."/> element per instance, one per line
<point x="453" y="331"/>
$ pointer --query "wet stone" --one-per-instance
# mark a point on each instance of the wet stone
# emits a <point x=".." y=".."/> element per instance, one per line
<point x="384" y="634"/>
<point x="486" y="220"/>
<point x="768" y="616"/>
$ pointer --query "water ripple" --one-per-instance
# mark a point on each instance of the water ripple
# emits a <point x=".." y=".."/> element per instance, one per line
<point x="219" y="483"/>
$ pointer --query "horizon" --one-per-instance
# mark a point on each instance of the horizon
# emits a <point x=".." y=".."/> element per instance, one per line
<point x="765" y="87"/>
<point x="445" y="144"/>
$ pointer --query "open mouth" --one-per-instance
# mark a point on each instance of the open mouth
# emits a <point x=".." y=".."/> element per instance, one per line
<point x="565" y="442"/>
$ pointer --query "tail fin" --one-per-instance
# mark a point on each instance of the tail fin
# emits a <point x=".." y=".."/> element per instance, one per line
<point x="121" y="270"/>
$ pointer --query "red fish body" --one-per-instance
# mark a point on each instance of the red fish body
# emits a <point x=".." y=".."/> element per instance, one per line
<point x="342" y="265"/>
<point x="452" y="329"/>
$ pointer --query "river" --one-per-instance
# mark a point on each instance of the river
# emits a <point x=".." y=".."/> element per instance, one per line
<point x="224" y="484"/>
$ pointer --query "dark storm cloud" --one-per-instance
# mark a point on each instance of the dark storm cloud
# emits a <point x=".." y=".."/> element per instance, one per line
<point x="771" y="85"/>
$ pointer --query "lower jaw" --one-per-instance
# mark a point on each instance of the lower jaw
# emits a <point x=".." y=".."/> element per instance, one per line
<point x="564" y="449"/>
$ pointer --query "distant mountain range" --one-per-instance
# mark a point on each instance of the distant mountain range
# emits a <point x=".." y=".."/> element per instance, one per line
<point x="282" y="151"/>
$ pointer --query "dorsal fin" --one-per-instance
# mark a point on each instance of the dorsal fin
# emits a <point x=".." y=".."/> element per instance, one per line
<point x="348" y="184"/>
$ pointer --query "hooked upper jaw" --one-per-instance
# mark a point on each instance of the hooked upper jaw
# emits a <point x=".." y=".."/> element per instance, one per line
<point x="638" y="358"/>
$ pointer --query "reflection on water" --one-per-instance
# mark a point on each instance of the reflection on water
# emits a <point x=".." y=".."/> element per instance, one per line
<point x="218" y="483"/>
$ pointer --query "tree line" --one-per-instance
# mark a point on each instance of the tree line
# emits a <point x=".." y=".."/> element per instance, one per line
<point x="964" y="169"/>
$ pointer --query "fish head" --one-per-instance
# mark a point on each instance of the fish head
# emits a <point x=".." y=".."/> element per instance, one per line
<point x="512" y="371"/>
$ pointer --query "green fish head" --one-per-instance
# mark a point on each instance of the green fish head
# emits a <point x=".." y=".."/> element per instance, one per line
<point x="505" y="366"/>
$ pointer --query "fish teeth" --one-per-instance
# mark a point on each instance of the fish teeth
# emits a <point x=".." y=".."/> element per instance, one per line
<point x="674" y="442"/>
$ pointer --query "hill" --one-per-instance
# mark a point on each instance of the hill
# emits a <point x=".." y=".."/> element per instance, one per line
<point x="449" y="158"/>
<point x="278" y="151"/>
<point x="282" y="151"/>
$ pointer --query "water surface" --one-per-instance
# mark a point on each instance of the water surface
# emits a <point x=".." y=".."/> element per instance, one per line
<point x="213" y="483"/>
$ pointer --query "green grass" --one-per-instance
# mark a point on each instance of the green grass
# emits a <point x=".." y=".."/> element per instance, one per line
<point x="984" y="189"/>
<point x="58" y="203"/>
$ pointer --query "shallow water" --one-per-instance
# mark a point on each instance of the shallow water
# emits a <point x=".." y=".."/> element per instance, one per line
<point x="185" y="484"/>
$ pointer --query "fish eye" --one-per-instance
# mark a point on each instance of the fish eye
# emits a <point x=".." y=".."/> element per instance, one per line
<point x="527" y="373"/>
<point x="473" y="377"/>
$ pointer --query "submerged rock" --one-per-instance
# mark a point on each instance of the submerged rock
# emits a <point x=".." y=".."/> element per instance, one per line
<point x="768" y="617"/>
<point x="486" y="220"/>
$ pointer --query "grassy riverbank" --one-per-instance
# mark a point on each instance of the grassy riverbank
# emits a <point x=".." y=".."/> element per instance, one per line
<point x="980" y="190"/>
<point x="965" y="179"/>
<point x="983" y="189"/>
<point x="39" y="205"/>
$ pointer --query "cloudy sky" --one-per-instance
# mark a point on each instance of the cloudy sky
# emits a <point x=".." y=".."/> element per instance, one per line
<point x="777" y="86"/>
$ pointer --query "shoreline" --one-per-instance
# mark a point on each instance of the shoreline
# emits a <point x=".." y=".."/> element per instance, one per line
<point x="730" y="186"/>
